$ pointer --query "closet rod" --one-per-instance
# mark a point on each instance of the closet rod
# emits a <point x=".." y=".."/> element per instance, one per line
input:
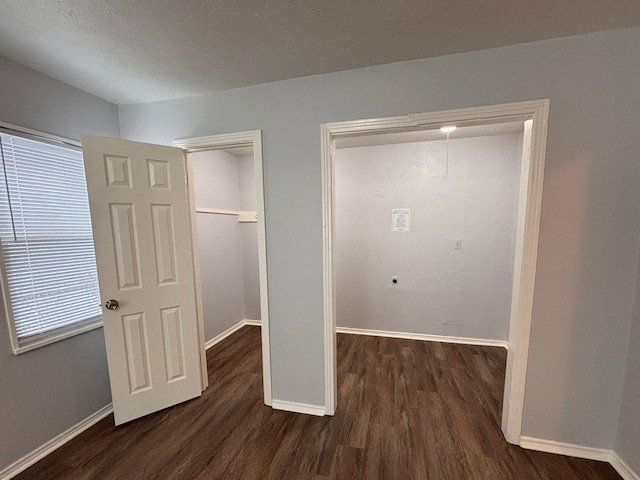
<point x="217" y="211"/>
<point x="244" y="216"/>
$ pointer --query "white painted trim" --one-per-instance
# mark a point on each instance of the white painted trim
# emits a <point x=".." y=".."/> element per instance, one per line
<point x="42" y="451"/>
<point x="529" y="205"/>
<point x="299" y="408"/>
<point x="250" y="138"/>
<point x="36" y="133"/>
<point x="195" y="252"/>
<point x="55" y="335"/>
<point x="8" y="309"/>
<point x="423" y="336"/>
<point x="220" y="142"/>
<point x="258" y="166"/>
<point x="229" y="331"/>
<point x="329" y="280"/>
<point x="527" y="233"/>
<point x="580" y="451"/>
<point x="623" y="469"/>
<point x="569" y="449"/>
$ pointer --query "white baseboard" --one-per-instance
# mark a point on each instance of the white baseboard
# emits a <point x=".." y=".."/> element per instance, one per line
<point x="299" y="408"/>
<point x="31" y="458"/>
<point x="423" y="336"/>
<point x="253" y="323"/>
<point x="568" y="449"/>
<point x="622" y="468"/>
<point x="580" y="451"/>
<point x="230" y="331"/>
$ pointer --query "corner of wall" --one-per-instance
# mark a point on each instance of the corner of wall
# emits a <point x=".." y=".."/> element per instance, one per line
<point x="628" y="422"/>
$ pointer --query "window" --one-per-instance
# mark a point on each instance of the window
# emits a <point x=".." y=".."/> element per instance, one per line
<point x="49" y="275"/>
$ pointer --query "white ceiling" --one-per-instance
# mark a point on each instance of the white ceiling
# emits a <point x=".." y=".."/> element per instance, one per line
<point x="130" y="51"/>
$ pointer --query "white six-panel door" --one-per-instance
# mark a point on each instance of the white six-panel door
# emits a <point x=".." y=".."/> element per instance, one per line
<point x="141" y="230"/>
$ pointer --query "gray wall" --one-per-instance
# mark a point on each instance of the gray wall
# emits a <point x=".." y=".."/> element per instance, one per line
<point x="48" y="390"/>
<point x="249" y="236"/>
<point x="440" y="290"/>
<point x="589" y="228"/>
<point x="628" y="439"/>
<point x="247" y="198"/>
<point x="223" y="181"/>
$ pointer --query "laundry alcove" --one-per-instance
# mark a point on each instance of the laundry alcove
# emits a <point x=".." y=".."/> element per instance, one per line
<point x="447" y="275"/>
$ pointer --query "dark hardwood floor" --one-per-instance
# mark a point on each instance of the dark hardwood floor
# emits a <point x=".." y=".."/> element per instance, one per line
<point x="406" y="410"/>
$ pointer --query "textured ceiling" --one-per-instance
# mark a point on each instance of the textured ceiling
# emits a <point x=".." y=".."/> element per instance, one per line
<point x="130" y="51"/>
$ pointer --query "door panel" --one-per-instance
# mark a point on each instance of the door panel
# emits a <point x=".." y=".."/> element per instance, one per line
<point x="173" y="345"/>
<point x="164" y="239"/>
<point x="141" y="230"/>
<point x="137" y="347"/>
<point x="125" y="245"/>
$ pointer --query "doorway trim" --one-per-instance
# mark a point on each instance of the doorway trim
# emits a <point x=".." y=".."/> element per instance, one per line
<point x="251" y="138"/>
<point x="535" y="113"/>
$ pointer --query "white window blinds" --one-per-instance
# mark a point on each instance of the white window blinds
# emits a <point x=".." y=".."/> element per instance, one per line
<point x="46" y="239"/>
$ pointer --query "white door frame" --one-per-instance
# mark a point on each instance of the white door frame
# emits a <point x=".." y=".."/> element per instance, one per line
<point x="527" y="230"/>
<point x="216" y="142"/>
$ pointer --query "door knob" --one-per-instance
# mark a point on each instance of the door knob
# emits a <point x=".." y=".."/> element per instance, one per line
<point x="112" y="305"/>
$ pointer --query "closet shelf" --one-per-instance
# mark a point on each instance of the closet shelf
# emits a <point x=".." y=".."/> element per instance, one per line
<point x="244" y="216"/>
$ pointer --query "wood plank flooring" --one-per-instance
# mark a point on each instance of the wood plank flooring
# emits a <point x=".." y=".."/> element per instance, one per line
<point x="406" y="410"/>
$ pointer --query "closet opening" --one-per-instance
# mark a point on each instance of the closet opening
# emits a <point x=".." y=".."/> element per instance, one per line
<point x="227" y="202"/>
<point x="424" y="233"/>
<point x="431" y="234"/>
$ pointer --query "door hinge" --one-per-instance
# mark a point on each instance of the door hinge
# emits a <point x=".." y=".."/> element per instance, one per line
<point x="186" y="179"/>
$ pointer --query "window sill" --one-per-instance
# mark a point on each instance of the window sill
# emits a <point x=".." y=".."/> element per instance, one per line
<point x="57" y="335"/>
